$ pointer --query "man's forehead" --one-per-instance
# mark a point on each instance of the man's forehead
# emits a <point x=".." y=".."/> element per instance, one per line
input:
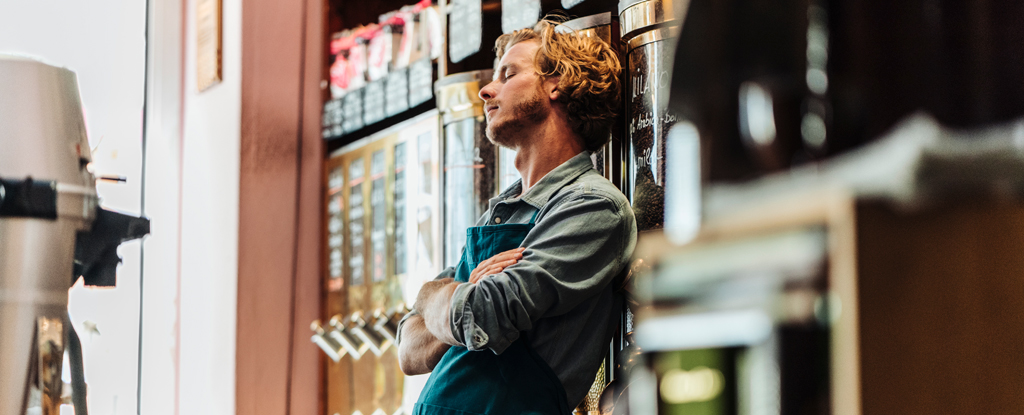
<point x="518" y="56"/>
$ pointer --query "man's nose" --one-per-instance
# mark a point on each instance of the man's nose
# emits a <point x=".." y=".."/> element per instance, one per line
<point x="488" y="91"/>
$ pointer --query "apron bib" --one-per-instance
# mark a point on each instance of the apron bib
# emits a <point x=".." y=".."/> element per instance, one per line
<point x="518" y="381"/>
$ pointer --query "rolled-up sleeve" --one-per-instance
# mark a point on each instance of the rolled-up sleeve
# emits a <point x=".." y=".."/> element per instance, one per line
<point x="574" y="251"/>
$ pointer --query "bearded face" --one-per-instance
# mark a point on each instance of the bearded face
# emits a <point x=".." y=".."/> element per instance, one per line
<point x="506" y="125"/>
<point x="515" y="102"/>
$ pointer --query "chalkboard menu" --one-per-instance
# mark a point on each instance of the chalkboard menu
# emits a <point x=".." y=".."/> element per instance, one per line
<point x="355" y="222"/>
<point x="353" y="110"/>
<point x="332" y="119"/>
<point x="518" y="14"/>
<point x="400" y="206"/>
<point x="465" y="29"/>
<point x="400" y="90"/>
<point x="373" y="102"/>
<point x="396" y="89"/>
<point x="335" y="234"/>
<point x="378" y="218"/>
<point x="570" y="3"/>
<point x="421" y="82"/>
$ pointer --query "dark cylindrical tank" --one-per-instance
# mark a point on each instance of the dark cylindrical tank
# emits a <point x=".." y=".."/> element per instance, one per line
<point x="649" y="29"/>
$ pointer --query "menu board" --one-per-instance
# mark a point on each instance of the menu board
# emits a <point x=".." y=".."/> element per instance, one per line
<point x="335" y="229"/>
<point x="355" y="222"/>
<point x="519" y="14"/>
<point x="373" y="102"/>
<point x="401" y="246"/>
<point x="353" y="110"/>
<point x="421" y="82"/>
<point x="396" y="90"/>
<point x="465" y="28"/>
<point x="378" y="218"/>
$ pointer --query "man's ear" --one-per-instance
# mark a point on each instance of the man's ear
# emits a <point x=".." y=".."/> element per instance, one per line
<point x="551" y="87"/>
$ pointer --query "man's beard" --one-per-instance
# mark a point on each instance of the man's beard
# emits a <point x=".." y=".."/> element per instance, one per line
<point x="509" y="132"/>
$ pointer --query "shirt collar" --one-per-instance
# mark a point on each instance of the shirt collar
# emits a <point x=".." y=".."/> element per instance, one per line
<point x="556" y="179"/>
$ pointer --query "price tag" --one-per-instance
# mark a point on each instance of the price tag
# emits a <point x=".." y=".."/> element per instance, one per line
<point x="421" y="82"/>
<point x="332" y="119"/>
<point x="397" y="92"/>
<point x="353" y="110"/>
<point x="373" y="102"/>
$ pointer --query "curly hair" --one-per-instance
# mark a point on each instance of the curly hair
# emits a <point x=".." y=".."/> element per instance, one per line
<point x="588" y="68"/>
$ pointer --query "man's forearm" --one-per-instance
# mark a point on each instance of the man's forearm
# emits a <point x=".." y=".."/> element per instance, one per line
<point x="419" y="351"/>
<point x="434" y="305"/>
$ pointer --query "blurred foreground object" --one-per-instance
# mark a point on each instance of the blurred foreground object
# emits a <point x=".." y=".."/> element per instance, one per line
<point x="52" y="231"/>
<point x="886" y="280"/>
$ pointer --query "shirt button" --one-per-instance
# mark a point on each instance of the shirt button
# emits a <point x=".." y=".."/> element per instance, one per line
<point x="497" y="220"/>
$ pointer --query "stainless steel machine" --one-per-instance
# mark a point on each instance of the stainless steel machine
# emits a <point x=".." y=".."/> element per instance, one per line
<point x="52" y="231"/>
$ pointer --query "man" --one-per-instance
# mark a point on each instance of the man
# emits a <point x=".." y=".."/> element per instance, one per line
<point x="524" y="321"/>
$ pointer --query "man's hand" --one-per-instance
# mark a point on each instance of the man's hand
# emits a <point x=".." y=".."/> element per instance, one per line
<point x="419" y="351"/>
<point x="495" y="264"/>
<point x="434" y="303"/>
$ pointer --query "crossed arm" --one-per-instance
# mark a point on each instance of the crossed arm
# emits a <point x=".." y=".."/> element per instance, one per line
<point x="427" y="336"/>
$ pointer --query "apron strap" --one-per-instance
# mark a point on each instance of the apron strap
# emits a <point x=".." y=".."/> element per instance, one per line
<point x="534" y="217"/>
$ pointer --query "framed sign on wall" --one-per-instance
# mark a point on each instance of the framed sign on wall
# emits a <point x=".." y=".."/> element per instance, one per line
<point x="208" y="43"/>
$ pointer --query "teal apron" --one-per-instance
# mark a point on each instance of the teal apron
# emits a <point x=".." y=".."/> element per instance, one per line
<point x="518" y="381"/>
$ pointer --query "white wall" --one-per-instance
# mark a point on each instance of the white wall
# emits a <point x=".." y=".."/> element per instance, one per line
<point x="103" y="41"/>
<point x="192" y="181"/>
<point x="189" y="261"/>
<point x="210" y="225"/>
<point x="161" y="329"/>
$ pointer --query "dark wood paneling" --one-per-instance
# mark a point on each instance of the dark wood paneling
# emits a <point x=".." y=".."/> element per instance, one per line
<point x="940" y="299"/>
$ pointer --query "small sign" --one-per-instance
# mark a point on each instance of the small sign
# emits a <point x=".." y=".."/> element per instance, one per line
<point x="353" y="110"/>
<point x="519" y="14"/>
<point x="396" y="89"/>
<point x="208" y="43"/>
<point x="465" y="29"/>
<point x="333" y="118"/>
<point x="373" y="102"/>
<point x="421" y="82"/>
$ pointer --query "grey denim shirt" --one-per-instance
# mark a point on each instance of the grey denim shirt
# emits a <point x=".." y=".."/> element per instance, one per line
<point x="560" y="293"/>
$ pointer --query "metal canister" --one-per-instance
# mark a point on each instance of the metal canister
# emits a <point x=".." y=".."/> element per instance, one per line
<point x="608" y="160"/>
<point x="649" y="29"/>
<point x="469" y="158"/>
<point x="44" y="151"/>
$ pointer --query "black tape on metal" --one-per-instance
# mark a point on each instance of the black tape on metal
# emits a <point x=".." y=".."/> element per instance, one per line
<point x="28" y="198"/>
